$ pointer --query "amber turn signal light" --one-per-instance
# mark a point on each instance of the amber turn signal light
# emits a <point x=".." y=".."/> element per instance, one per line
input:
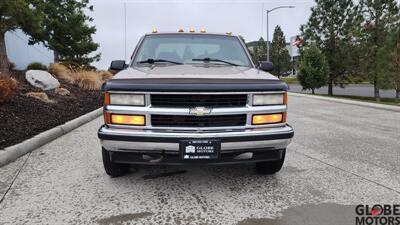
<point x="266" y="119"/>
<point x="136" y="120"/>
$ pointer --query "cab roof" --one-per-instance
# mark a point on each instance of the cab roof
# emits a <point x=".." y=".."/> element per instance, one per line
<point x="189" y="33"/>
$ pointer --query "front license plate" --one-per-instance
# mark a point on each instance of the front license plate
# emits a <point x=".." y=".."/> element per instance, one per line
<point x="199" y="149"/>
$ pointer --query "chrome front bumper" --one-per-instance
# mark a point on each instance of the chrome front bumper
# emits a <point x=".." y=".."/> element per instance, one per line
<point x="148" y="141"/>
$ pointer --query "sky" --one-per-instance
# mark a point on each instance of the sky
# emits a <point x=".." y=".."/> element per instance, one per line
<point x="246" y="18"/>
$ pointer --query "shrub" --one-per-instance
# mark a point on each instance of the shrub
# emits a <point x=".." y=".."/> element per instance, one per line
<point x="61" y="72"/>
<point x="40" y="96"/>
<point x="36" y="66"/>
<point x="8" y="86"/>
<point x="313" y="69"/>
<point x="89" y="80"/>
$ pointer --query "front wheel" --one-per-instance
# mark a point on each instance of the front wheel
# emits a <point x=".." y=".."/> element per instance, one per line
<point x="113" y="169"/>
<point x="271" y="167"/>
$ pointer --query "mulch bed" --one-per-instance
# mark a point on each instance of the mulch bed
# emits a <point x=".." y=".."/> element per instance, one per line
<point x="24" y="117"/>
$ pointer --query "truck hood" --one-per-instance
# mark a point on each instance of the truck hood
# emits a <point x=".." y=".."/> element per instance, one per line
<point x="200" y="71"/>
<point x="189" y="78"/>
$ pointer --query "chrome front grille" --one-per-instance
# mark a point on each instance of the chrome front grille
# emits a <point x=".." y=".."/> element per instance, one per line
<point x="198" y="121"/>
<point x="194" y="100"/>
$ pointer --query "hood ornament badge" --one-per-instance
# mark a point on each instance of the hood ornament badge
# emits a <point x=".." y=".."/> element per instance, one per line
<point x="199" y="111"/>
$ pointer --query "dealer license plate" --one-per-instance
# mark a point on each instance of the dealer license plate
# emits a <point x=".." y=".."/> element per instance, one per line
<point x="199" y="149"/>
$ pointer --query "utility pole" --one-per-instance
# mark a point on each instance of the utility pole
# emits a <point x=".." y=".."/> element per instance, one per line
<point x="125" y="26"/>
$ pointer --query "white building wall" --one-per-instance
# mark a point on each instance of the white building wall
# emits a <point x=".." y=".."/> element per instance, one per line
<point x="20" y="53"/>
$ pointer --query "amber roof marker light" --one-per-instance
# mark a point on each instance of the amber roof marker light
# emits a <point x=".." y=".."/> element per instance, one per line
<point x="202" y="30"/>
<point x="154" y="31"/>
<point x="191" y="30"/>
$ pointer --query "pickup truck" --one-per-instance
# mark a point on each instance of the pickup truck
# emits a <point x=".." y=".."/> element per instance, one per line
<point x="193" y="98"/>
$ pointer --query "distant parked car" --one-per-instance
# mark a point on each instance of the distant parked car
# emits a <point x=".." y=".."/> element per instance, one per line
<point x="287" y="73"/>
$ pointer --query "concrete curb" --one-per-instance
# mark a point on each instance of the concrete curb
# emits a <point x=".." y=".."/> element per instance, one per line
<point x="11" y="153"/>
<point x="352" y="102"/>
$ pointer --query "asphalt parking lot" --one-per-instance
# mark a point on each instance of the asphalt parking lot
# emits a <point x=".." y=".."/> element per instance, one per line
<point x="342" y="155"/>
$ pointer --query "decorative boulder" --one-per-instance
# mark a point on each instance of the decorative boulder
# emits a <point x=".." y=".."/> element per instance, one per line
<point x="41" y="79"/>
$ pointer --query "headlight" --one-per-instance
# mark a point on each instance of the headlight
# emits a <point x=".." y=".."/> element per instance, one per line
<point x="268" y="99"/>
<point x="126" y="99"/>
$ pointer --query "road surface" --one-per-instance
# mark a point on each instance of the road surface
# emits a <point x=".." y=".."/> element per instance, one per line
<point x="353" y="89"/>
<point x="342" y="155"/>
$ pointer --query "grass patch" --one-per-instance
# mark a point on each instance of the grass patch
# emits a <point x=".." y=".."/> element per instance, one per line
<point x="61" y="72"/>
<point x="385" y="101"/>
<point x="86" y="79"/>
<point x="89" y="80"/>
<point x="290" y="80"/>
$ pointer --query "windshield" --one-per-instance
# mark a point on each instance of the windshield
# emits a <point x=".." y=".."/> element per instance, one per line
<point x="192" y="49"/>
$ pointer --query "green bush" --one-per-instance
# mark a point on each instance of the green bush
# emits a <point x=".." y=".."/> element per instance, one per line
<point x="313" y="69"/>
<point x="36" y="66"/>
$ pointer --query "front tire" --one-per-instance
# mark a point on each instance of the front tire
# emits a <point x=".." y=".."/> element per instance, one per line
<point x="113" y="169"/>
<point x="271" y="167"/>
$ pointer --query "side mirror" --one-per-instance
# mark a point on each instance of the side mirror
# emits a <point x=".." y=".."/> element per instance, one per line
<point x="118" y="65"/>
<point x="266" y="66"/>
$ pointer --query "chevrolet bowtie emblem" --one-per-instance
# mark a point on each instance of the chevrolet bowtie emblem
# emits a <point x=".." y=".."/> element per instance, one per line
<point x="199" y="111"/>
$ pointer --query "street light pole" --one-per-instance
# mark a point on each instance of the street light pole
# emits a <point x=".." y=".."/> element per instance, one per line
<point x="268" y="11"/>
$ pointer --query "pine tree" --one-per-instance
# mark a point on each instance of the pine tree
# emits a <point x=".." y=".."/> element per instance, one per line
<point x="66" y="31"/>
<point x="313" y="68"/>
<point x="330" y="26"/>
<point x="378" y="17"/>
<point x="279" y="54"/>
<point x="16" y="14"/>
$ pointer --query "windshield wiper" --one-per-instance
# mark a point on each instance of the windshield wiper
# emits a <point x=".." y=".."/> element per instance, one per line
<point x="152" y="61"/>
<point x="215" y="60"/>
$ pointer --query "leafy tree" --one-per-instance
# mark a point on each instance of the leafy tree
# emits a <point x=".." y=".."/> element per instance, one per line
<point x="330" y="27"/>
<point x="395" y="69"/>
<point x="279" y="54"/>
<point x="66" y="30"/>
<point x="16" y="14"/>
<point x="260" y="52"/>
<point x="377" y="19"/>
<point x="389" y="63"/>
<point x="313" y="68"/>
